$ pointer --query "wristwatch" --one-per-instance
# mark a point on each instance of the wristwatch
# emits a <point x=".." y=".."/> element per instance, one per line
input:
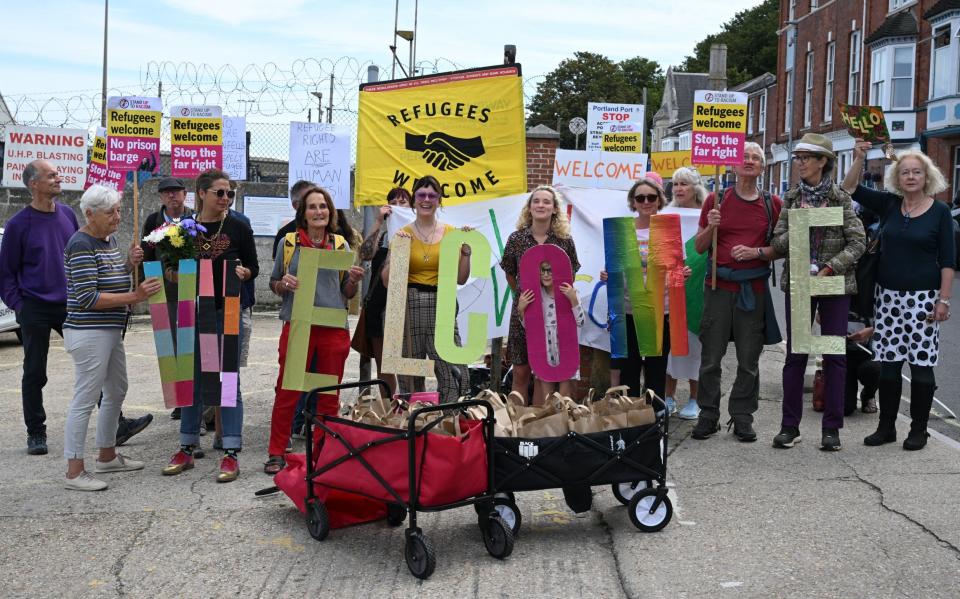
<point x="760" y="252"/>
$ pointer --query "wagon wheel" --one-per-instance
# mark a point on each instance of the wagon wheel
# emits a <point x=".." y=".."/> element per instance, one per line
<point x="497" y="537"/>
<point x="420" y="554"/>
<point x="396" y="514"/>
<point x="624" y="491"/>
<point x="318" y="521"/>
<point x="643" y="516"/>
<point x="508" y="510"/>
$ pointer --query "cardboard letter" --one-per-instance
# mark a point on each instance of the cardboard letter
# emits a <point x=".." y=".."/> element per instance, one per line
<point x="393" y="360"/>
<point x="803" y="285"/>
<point x="176" y="366"/>
<point x="533" y="317"/>
<point x="446" y="316"/>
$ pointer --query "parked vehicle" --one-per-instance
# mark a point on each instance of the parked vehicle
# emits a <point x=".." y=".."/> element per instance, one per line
<point x="8" y="319"/>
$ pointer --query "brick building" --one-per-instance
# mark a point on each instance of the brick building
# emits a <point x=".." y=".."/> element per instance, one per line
<point x="902" y="55"/>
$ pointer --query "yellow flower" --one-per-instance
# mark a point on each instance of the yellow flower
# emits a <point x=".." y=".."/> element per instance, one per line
<point x="176" y="241"/>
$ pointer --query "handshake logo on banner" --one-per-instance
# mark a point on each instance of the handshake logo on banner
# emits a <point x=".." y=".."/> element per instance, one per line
<point x="445" y="152"/>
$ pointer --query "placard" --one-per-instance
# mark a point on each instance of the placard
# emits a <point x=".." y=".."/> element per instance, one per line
<point x="867" y="122"/>
<point x="321" y="153"/>
<point x="98" y="173"/>
<point x="615" y="127"/>
<point x="133" y="133"/>
<point x="719" y="127"/>
<point x="196" y="140"/>
<point x="267" y="215"/>
<point x="235" y="147"/>
<point x="602" y="170"/>
<point x="64" y="149"/>
<point x="667" y="163"/>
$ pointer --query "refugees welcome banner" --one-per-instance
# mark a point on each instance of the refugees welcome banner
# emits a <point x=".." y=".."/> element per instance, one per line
<point x="465" y="128"/>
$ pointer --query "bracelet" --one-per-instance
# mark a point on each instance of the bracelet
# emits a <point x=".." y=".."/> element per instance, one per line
<point x="945" y="302"/>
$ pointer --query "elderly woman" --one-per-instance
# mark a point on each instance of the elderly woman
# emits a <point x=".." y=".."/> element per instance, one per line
<point x="329" y="346"/>
<point x="646" y="198"/>
<point x="98" y="293"/>
<point x="833" y="251"/>
<point x="542" y="220"/>
<point x="688" y="192"/>
<point x="374" y="249"/>
<point x="226" y="238"/>
<point x="426" y="233"/>
<point x="914" y="285"/>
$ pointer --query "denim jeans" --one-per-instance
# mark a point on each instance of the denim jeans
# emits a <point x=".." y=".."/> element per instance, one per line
<point x="231" y="419"/>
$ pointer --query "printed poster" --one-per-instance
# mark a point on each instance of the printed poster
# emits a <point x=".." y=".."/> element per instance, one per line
<point x="719" y="127"/>
<point x="98" y="173"/>
<point x="133" y="133"/>
<point x="65" y="149"/>
<point x="196" y="140"/>
<point x="320" y="152"/>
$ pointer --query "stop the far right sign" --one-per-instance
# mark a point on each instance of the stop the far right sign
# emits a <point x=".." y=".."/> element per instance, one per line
<point x="719" y="127"/>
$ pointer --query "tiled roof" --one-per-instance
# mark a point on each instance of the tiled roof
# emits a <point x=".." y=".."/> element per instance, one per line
<point x="684" y="84"/>
<point x="757" y="83"/>
<point x="899" y="24"/>
<point x="942" y="7"/>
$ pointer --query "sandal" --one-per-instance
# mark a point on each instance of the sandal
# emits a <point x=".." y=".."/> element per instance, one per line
<point x="274" y="464"/>
<point x="868" y="406"/>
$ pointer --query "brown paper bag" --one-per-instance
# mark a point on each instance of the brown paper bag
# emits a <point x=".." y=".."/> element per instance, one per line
<point x="552" y="420"/>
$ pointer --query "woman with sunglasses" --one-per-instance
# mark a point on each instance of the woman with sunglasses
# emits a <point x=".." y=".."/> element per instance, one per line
<point x="833" y="251"/>
<point x="542" y="220"/>
<point x="914" y="285"/>
<point x="426" y="232"/>
<point x="226" y="238"/>
<point x="646" y="198"/>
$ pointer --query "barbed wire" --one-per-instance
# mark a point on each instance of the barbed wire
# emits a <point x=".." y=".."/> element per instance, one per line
<point x="265" y="90"/>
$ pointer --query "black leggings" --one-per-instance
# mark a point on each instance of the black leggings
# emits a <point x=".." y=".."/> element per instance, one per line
<point x="654" y="367"/>
<point x="890" y="374"/>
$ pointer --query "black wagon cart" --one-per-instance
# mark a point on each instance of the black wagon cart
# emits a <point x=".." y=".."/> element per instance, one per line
<point x="633" y="461"/>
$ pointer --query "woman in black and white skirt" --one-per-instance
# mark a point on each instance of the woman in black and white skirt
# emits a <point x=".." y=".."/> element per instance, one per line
<point x="914" y="283"/>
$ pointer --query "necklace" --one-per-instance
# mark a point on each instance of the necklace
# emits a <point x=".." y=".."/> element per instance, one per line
<point x="207" y="242"/>
<point x="425" y="240"/>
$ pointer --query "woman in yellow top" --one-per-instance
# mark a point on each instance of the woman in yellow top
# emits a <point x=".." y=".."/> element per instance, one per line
<point x="426" y="233"/>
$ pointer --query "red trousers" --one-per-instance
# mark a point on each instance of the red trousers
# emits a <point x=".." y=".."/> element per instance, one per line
<point x="326" y="354"/>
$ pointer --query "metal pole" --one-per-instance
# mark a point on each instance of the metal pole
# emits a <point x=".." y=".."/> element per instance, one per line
<point x="329" y="103"/>
<point x="413" y="42"/>
<point x="396" y="15"/>
<point x="103" y="81"/>
<point x="369" y="217"/>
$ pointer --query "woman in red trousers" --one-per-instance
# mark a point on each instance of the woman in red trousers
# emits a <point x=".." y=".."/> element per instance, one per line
<point x="329" y="345"/>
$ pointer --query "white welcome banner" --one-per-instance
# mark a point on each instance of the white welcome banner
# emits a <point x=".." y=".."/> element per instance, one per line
<point x="497" y="219"/>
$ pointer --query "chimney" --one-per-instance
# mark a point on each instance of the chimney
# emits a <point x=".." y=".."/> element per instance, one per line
<point x="718" y="67"/>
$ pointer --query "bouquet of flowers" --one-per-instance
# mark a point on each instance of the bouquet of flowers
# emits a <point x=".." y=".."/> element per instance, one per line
<point x="175" y="241"/>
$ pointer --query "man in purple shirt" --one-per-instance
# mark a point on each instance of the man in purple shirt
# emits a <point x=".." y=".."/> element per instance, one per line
<point x="34" y="285"/>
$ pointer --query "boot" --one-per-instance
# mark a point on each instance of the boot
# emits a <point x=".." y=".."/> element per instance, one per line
<point x="921" y="400"/>
<point x="889" y="406"/>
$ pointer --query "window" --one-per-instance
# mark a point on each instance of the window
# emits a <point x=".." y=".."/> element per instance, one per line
<point x="828" y="82"/>
<point x="685" y="141"/>
<point x="792" y="14"/>
<point x="750" y="117"/>
<point x="956" y="171"/>
<point x="808" y="93"/>
<point x="901" y="87"/>
<point x="814" y="4"/>
<point x="762" y="122"/>
<point x="788" y="104"/>
<point x="878" y="72"/>
<point x="853" y="82"/>
<point x="898" y="4"/>
<point x="943" y="82"/>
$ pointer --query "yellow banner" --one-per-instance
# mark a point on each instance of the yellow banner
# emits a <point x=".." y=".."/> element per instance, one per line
<point x="720" y="118"/>
<point x="622" y="142"/>
<point x="465" y="128"/>
<point x="665" y="163"/>
<point x="191" y="131"/>
<point x="99" y="152"/>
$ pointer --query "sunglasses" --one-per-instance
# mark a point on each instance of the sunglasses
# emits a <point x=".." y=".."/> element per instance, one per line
<point x="224" y="192"/>
<point x="546" y="270"/>
<point x="646" y="197"/>
<point x="426" y="195"/>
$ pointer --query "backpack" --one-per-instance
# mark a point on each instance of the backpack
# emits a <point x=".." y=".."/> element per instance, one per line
<point x="292" y="240"/>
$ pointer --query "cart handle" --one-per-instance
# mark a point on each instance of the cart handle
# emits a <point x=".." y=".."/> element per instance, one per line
<point x="354" y="385"/>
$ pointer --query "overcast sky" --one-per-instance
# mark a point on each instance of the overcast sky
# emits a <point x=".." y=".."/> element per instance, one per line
<point x="55" y="47"/>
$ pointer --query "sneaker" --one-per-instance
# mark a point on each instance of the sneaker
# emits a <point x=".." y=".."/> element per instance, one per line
<point x="830" y="440"/>
<point x="84" y="482"/>
<point x="229" y="469"/>
<point x="178" y="463"/>
<point x="37" y="444"/>
<point x="130" y="427"/>
<point x="120" y="463"/>
<point x="742" y="430"/>
<point x="175" y="414"/>
<point x="671" y="405"/>
<point x="691" y="411"/>
<point x="705" y="429"/>
<point x="787" y="437"/>
<point x="203" y="428"/>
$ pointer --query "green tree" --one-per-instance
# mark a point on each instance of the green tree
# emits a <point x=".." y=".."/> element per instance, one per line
<point x="751" y="39"/>
<point x="589" y="77"/>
